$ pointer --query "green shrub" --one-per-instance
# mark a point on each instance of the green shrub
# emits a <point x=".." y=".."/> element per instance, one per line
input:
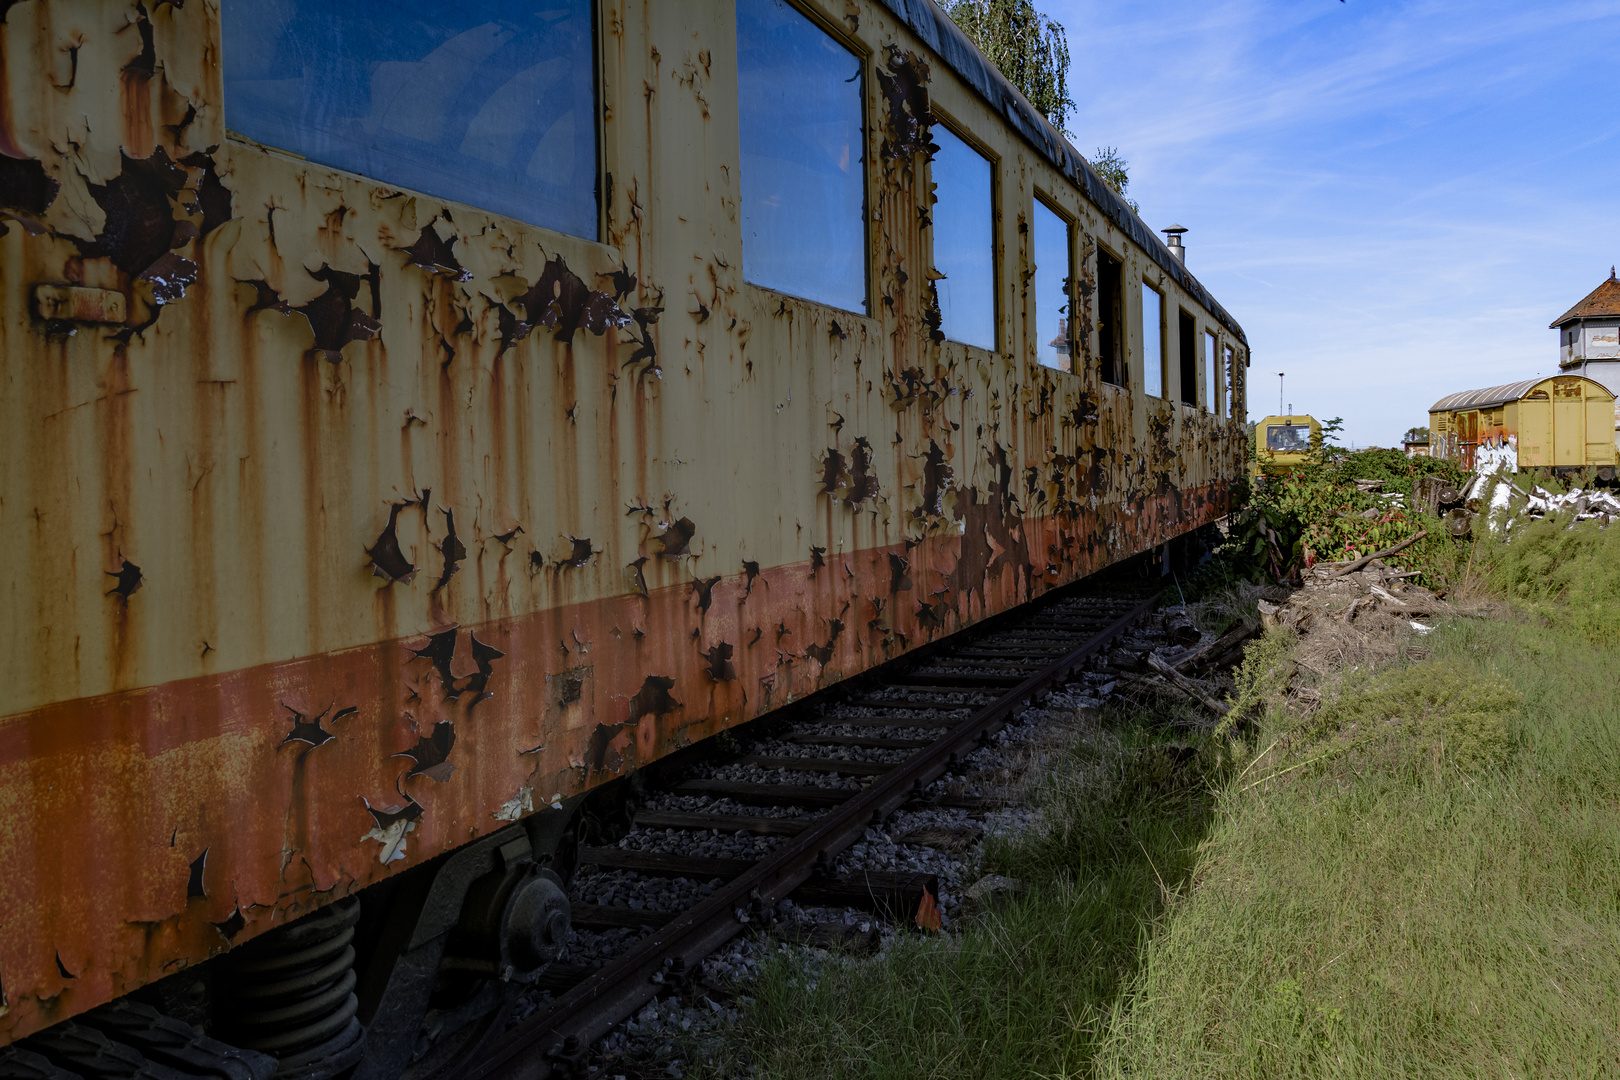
<point x="1428" y="713"/>
<point x="1261" y="678"/>
<point x="1317" y="513"/>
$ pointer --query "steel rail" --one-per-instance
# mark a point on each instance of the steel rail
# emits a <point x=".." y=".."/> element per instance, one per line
<point x="561" y="1037"/>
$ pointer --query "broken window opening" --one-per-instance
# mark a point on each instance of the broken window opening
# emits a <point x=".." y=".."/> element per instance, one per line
<point x="1152" y="341"/>
<point x="1231" y="381"/>
<point x="479" y="102"/>
<point x="1110" y="318"/>
<point x="1212" y="377"/>
<point x="964" y="241"/>
<point x="802" y="134"/>
<point x="1189" y="357"/>
<point x="1054" y="344"/>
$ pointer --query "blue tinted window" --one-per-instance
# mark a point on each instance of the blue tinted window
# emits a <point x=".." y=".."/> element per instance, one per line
<point x="803" y="187"/>
<point x="1051" y="299"/>
<point x="964" y="241"/>
<point x="483" y="102"/>
<point x="1152" y="341"/>
<point x="1212" y="387"/>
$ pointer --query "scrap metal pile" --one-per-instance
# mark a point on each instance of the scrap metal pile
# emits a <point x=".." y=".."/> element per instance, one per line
<point x="1503" y="503"/>
<point x="1510" y="504"/>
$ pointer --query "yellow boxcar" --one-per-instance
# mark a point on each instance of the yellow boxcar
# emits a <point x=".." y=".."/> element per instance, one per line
<point x="1566" y="422"/>
<point x="415" y="419"/>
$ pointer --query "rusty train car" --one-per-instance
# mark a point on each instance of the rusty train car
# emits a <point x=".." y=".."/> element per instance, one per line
<point x="418" y="416"/>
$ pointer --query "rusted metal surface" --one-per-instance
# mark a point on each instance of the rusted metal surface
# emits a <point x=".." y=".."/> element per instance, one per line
<point x="936" y="30"/>
<point x="1560" y="422"/>
<point x="373" y="522"/>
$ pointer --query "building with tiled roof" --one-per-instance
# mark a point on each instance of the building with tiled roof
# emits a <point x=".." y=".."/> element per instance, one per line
<point x="1589" y="336"/>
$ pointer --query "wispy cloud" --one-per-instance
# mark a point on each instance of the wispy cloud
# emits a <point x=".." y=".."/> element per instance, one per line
<point x="1393" y="197"/>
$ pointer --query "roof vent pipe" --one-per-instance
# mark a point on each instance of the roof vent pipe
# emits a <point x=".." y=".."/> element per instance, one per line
<point x="1172" y="238"/>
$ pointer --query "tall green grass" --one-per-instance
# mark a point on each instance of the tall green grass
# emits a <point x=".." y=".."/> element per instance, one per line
<point x="1569" y="576"/>
<point x="1446" y="911"/>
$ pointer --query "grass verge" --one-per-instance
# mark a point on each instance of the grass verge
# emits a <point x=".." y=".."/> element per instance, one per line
<point x="1420" y="877"/>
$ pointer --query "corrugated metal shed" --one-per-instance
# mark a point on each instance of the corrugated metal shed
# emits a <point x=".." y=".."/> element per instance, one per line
<point x="1480" y="399"/>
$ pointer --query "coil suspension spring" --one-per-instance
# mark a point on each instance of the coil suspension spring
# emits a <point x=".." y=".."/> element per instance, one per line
<point x="290" y="993"/>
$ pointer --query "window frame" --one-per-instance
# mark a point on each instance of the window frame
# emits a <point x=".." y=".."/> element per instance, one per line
<point x="1120" y="362"/>
<point x="599" y="81"/>
<point x="601" y="238"/>
<point x="941" y="118"/>
<point x="870" y="139"/>
<point x="1070" y="233"/>
<point x="1229" y="359"/>
<point x="1187" y="355"/>
<point x="1141" y="333"/>
<point x="1211" y="368"/>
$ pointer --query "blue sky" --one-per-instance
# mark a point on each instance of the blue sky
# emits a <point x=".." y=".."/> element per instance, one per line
<point x="1393" y="197"/>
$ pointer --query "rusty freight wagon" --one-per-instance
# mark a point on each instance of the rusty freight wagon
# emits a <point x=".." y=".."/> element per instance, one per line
<point x="1564" y="423"/>
<point x="419" y="415"/>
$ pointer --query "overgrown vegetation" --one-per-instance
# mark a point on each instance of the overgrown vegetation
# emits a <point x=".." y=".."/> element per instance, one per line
<point x="1115" y="172"/>
<point x="1316" y="513"/>
<point x="1570" y="577"/>
<point x="1417" y="878"/>
<point x="1411" y="871"/>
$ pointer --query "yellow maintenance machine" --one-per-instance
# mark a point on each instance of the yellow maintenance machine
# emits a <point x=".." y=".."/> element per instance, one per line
<point x="1282" y="443"/>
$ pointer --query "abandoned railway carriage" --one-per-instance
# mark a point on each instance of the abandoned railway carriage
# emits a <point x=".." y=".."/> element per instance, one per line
<point x="418" y="415"/>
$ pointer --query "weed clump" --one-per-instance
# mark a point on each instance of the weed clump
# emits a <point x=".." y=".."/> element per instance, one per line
<point x="1262" y="678"/>
<point x="1570" y="577"/>
<point x="1425" y="714"/>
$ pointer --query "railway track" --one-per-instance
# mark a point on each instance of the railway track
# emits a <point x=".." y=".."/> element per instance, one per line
<point x="803" y="789"/>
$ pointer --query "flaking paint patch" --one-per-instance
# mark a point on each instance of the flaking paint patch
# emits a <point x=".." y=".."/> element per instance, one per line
<point x="392" y="825"/>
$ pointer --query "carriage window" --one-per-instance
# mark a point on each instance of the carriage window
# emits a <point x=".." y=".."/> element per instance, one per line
<point x="1230" y="369"/>
<point x="803" y="187"/>
<point x="1052" y="276"/>
<point x="1152" y="340"/>
<point x="1110" y="318"/>
<point x="481" y="102"/>
<point x="1212" y="392"/>
<point x="1288" y="438"/>
<point x="1189" y="357"/>
<point x="964" y="241"/>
